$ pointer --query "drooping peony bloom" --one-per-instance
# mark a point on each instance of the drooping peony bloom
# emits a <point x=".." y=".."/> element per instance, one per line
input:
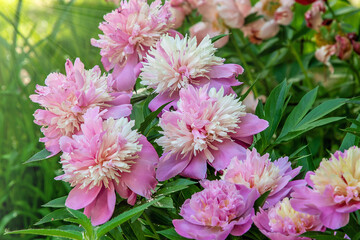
<point x="221" y="209"/>
<point x="261" y="173"/>
<point x="282" y="222"/>
<point x="208" y="126"/>
<point x="176" y="63"/>
<point x="67" y="97"/>
<point x="324" y="53"/>
<point x="107" y="156"/>
<point x="313" y="16"/>
<point x="129" y="32"/>
<point x="218" y="17"/>
<point x="343" y="47"/>
<point x="335" y="188"/>
<point x="305" y="2"/>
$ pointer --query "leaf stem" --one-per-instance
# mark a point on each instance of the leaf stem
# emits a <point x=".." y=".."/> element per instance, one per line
<point x="246" y="66"/>
<point x="301" y="65"/>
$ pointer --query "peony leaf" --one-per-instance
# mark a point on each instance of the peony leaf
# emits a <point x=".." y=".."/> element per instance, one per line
<point x="43" y="154"/>
<point x="148" y="120"/>
<point x="218" y="37"/>
<point x="56" y="203"/>
<point x="115" y="222"/>
<point x="50" y="232"/>
<point x="171" y="234"/>
<point x="58" y="214"/>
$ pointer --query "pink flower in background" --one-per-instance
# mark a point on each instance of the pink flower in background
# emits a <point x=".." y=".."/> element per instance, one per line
<point x="106" y="157"/>
<point x="335" y="188"/>
<point x="177" y="63"/>
<point x="313" y="16"/>
<point x="129" y="32"/>
<point x="282" y="222"/>
<point x="221" y="209"/>
<point x="208" y="126"/>
<point x="259" y="172"/>
<point x="324" y="53"/>
<point x="67" y="97"/>
<point x="218" y="17"/>
<point x="250" y="101"/>
<point x="179" y="9"/>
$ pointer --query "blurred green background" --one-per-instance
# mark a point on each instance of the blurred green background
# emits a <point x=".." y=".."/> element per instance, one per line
<point x="37" y="36"/>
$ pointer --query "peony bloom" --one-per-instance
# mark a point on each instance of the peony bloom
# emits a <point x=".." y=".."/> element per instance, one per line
<point x="260" y="30"/>
<point x="179" y="9"/>
<point x="129" y="32"/>
<point x="220" y="209"/>
<point x="343" y="47"/>
<point x="106" y="157"/>
<point x="282" y="222"/>
<point x="66" y="99"/>
<point x="259" y="172"/>
<point x="218" y="17"/>
<point x="176" y="63"/>
<point x="324" y="53"/>
<point x="335" y="188"/>
<point x="313" y="16"/>
<point x="208" y="126"/>
<point x="250" y="101"/>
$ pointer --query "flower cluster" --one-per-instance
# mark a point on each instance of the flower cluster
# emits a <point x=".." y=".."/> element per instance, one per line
<point x="67" y="97"/>
<point x="129" y="32"/>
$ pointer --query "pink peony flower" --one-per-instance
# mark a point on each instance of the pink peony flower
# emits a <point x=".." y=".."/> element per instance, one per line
<point x="176" y="63"/>
<point x="208" y="126"/>
<point x="66" y="99"/>
<point x="259" y="172"/>
<point x="335" y="188"/>
<point x="220" y="209"/>
<point x="129" y="32"/>
<point x="313" y="16"/>
<point x="282" y="222"/>
<point x="324" y="53"/>
<point x="106" y="157"/>
<point x="179" y="9"/>
<point x="202" y="29"/>
<point x="250" y="101"/>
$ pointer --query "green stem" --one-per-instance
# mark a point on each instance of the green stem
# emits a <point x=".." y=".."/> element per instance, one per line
<point x="298" y="59"/>
<point x="330" y="9"/>
<point x="246" y="66"/>
<point x="151" y="225"/>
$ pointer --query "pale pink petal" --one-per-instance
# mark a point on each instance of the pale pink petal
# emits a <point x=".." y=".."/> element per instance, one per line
<point x="81" y="197"/>
<point x="196" y="168"/>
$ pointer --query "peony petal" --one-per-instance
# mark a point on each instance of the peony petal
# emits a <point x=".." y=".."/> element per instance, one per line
<point x="101" y="210"/>
<point x="250" y="125"/>
<point x="81" y="197"/>
<point x="226" y="71"/>
<point x="125" y="76"/>
<point x="171" y="165"/>
<point x="161" y="99"/>
<point x="141" y="178"/>
<point x="226" y="151"/>
<point x="196" y="168"/>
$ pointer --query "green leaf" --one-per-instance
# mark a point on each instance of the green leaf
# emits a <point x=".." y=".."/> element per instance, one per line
<point x="298" y="34"/>
<point x="175" y="186"/>
<point x="218" y="37"/>
<point x="350" y="139"/>
<point x="58" y="214"/>
<point x="150" y="118"/>
<point x="43" y="154"/>
<point x="322" y="110"/>
<point x="261" y="200"/>
<point x="56" y="203"/>
<point x="171" y="234"/>
<point x="249" y="90"/>
<point x="167" y="202"/>
<point x="113" y="223"/>
<point x="299" y="112"/>
<point x="321" y="236"/>
<point x="252" y="18"/>
<point x="83" y="220"/>
<point x="50" y="232"/>
<point x="274" y="108"/>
